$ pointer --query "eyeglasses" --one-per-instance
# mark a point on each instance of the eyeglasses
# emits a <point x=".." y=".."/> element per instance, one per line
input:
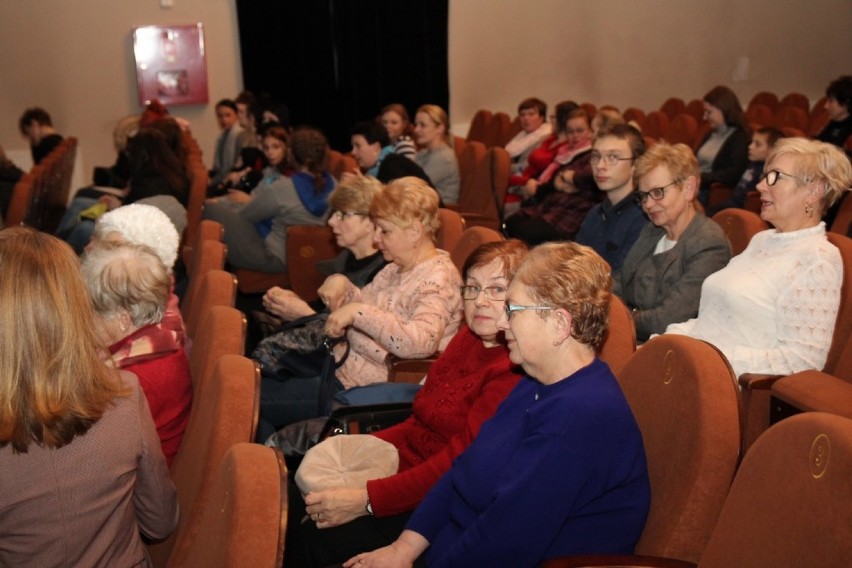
<point x="608" y="159"/>
<point x="341" y="215"/>
<point x="512" y="308"/>
<point x="655" y="193"/>
<point x="496" y="293"/>
<point x="772" y="176"/>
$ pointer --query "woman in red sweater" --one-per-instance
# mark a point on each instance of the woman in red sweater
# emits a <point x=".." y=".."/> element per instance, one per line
<point x="462" y="390"/>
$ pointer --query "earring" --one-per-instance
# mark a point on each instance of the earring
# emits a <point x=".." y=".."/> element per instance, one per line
<point x="809" y="209"/>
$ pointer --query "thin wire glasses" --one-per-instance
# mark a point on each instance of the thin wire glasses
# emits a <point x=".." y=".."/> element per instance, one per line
<point x="495" y="293"/>
<point x="341" y="215"/>
<point x="608" y="159"/>
<point x="512" y="308"/>
<point x="655" y="193"/>
<point x="772" y="176"/>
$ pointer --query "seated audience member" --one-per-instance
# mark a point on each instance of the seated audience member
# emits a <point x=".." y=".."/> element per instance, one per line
<point x="394" y="119"/>
<point x="605" y="118"/>
<point x="155" y="170"/>
<point x="10" y="174"/>
<point x="560" y="468"/>
<point x="838" y="97"/>
<point x="147" y="225"/>
<point x="543" y="155"/>
<point x="773" y="308"/>
<point x="129" y="287"/>
<point x="37" y="127"/>
<point x="612" y="226"/>
<point x="83" y="478"/>
<point x="762" y="141"/>
<point x="376" y="156"/>
<point x="229" y="143"/>
<point x="660" y="280"/>
<point x="532" y="114"/>
<point x="437" y="158"/>
<point x="723" y="153"/>
<point x="256" y="223"/>
<point x="411" y="309"/>
<point x="462" y="390"/>
<point x="557" y="204"/>
<point x="360" y="261"/>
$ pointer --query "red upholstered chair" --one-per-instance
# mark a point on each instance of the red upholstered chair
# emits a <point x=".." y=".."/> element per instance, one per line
<point x="499" y="129"/>
<point x="683" y="394"/>
<point x="765" y="98"/>
<point x="739" y="226"/>
<point x="470" y="240"/>
<point x="760" y="115"/>
<point x="223" y="332"/>
<point x="620" y="342"/>
<point x="681" y="130"/>
<point x="633" y="114"/>
<point x="22" y="195"/>
<point x="656" y="124"/>
<point x="206" y="256"/>
<point x="478" y="131"/>
<point x="459" y="144"/>
<point x="673" y="106"/>
<point x="796" y="100"/>
<point x="793" y="117"/>
<point x="307" y="244"/>
<point x="224" y="412"/>
<point x="451" y="229"/>
<point x="787" y="506"/>
<point x="695" y="108"/>
<point x="590" y="109"/>
<point x="244" y="520"/>
<point x="218" y="288"/>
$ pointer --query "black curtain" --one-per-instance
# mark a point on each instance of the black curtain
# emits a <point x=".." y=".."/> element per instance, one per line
<point x="335" y="62"/>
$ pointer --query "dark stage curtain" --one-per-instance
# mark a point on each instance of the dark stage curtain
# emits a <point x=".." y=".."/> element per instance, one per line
<point x="335" y="62"/>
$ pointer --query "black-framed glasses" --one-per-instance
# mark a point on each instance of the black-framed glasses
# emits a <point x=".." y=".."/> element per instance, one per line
<point x="608" y="159"/>
<point x="512" y="308"/>
<point x="496" y="293"/>
<point x="341" y="215"/>
<point x="772" y="176"/>
<point x="655" y="193"/>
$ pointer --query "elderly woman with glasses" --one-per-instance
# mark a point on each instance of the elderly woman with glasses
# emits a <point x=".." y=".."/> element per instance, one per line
<point x="560" y="468"/>
<point x="462" y="390"/>
<point x="773" y="308"/>
<point x="661" y="277"/>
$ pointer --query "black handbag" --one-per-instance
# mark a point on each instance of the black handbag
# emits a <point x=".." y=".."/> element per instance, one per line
<point x="365" y="419"/>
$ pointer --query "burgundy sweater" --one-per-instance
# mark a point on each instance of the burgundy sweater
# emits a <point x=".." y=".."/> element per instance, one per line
<point x="464" y="388"/>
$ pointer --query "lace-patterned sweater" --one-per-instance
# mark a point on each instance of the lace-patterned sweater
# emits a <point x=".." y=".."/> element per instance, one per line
<point x="773" y="308"/>
<point x="408" y="314"/>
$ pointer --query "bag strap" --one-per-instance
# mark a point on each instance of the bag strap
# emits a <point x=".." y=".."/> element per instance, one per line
<point x="329" y="385"/>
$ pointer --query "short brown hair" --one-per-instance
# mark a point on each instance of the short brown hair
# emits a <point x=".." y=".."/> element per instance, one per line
<point x="573" y="277"/>
<point x="511" y="254"/>
<point x="724" y="99"/>
<point x="55" y="385"/>
<point x="533" y="102"/>
<point x="405" y="201"/>
<point x="355" y="194"/>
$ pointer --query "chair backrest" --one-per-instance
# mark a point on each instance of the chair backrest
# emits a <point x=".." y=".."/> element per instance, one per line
<point x="499" y="128"/>
<point x="818" y="120"/>
<point x="222" y="332"/>
<point x="307" y="244"/>
<point x="206" y="256"/>
<point x="334" y="163"/>
<point x="796" y="100"/>
<point x="739" y="226"/>
<point x="765" y="98"/>
<point x="792" y="116"/>
<point x="501" y="168"/>
<point x="839" y="360"/>
<point x="459" y="144"/>
<point x="633" y="114"/>
<point x="760" y="115"/>
<point x="695" y="108"/>
<point x="681" y="130"/>
<point x="451" y="229"/>
<point x="22" y="195"/>
<point x="843" y="219"/>
<point x="198" y="182"/>
<point x="244" y="520"/>
<point x="470" y="240"/>
<point x="478" y="130"/>
<point x="685" y="399"/>
<point x="620" y="342"/>
<point x="224" y="412"/>
<point x="656" y="124"/>
<point x="789" y="503"/>
<point x="472" y="156"/>
<point x="218" y="288"/>
<point x="590" y="109"/>
<point x="673" y="106"/>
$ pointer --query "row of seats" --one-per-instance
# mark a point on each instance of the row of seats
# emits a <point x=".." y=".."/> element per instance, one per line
<point x="40" y="196"/>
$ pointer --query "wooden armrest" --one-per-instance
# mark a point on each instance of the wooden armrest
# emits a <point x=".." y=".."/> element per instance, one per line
<point x="616" y="560"/>
<point x="755" y="381"/>
<point x="408" y="370"/>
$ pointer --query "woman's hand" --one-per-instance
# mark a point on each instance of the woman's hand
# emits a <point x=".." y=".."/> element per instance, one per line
<point x="341" y="318"/>
<point x="286" y="304"/>
<point x="530" y="188"/>
<point x="337" y="506"/>
<point x="401" y="553"/>
<point x="237" y="196"/>
<point x="333" y="291"/>
<point x="111" y="201"/>
<point x="564" y="182"/>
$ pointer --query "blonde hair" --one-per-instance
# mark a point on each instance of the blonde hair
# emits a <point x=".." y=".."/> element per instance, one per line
<point x="54" y="385"/>
<point x="677" y="158"/>
<point x="573" y="277"/>
<point x="405" y="201"/>
<point x="439" y="117"/>
<point x="816" y="161"/>
<point x="355" y="194"/>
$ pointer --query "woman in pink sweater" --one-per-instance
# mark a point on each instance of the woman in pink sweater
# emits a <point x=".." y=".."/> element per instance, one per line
<point x="462" y="390"/>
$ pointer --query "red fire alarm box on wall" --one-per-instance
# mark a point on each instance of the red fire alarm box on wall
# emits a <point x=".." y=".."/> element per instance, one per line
<point x="170" y="64"/>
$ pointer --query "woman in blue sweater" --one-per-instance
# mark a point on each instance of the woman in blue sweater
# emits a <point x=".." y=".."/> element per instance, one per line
<point x="560" y="469"/>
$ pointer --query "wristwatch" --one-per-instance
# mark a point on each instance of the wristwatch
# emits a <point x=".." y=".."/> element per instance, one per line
<point x="369" y="506"/>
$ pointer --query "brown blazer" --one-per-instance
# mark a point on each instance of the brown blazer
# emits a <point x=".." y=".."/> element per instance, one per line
<point x="85" y="504"/>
